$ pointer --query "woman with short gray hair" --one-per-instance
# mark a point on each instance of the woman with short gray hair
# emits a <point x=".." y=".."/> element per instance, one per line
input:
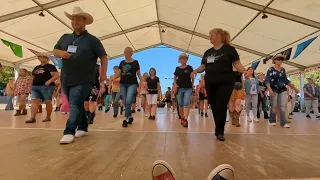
<point x="311" y="90"/>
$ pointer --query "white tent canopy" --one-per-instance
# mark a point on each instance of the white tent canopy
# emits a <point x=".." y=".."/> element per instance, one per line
<point x="180" y="24"/>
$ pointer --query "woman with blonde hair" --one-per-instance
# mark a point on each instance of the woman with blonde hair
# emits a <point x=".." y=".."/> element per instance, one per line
<point x="219" y="78"/>
<point x="129" y="70"/>
<point x="183" y="81"/>
<point x="10" y="93"/>
<point x="143" y="93"/>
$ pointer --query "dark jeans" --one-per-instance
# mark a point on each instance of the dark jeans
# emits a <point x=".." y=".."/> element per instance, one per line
<point x="115" y="102"/>
<point x="128" y="92"/>
<point x="76" y="96"/>
<point x="218" y="98"/>
<point x="262" y="103"/>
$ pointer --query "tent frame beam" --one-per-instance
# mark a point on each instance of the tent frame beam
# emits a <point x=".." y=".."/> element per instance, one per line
<point x="161" y="23"/>
<point x="275" y="12"/>
<point x="35" y="9"/>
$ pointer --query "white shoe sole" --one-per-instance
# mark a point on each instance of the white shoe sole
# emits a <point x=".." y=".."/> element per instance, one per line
<point x="220" y="168"/>
<point x="166" y="165"/>
<point x="82" y="134"/>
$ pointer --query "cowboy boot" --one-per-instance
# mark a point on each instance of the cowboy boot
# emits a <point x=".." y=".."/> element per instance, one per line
<point x="237" y="118"/>
<point x="231" y="115"/>
<point x="18" y="113"/>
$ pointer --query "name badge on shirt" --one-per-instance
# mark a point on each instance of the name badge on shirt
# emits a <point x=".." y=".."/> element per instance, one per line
<point x="211" y="59"/>
<point x="72" y="49"/>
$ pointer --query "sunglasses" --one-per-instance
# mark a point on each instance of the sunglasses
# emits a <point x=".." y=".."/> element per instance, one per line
<point x="279" y="59"/>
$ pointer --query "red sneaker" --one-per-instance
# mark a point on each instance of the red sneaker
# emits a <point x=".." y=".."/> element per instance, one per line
<point x="185" y="123"/>
<point x="161" y="170"/>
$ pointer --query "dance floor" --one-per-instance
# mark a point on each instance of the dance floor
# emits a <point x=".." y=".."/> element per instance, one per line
<point x="255" y="150"/>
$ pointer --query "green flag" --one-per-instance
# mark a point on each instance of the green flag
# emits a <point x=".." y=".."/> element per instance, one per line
<point x="16" y="49"/>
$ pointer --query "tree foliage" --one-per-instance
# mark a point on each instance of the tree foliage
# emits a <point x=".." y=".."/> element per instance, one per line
<point x="314" y="74"/>
<point x="5" y="75"/>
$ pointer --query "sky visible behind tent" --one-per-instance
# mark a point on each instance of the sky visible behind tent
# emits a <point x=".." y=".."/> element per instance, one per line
<point x="163" y="58"/>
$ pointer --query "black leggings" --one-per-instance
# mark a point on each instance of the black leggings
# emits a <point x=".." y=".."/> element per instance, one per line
<point x="218" y="98"/>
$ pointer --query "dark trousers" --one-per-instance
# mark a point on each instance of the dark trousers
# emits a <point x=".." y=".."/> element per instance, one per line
<point x="262" y="105"/>
<point x="218" y="98"/>
<point x="76" y="96"/>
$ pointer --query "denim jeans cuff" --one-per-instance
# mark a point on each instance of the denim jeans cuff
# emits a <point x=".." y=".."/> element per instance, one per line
<point x="82" y="129"/>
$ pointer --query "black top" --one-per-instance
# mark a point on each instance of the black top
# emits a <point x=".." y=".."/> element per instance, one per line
<point x="79" y="68"/>
<point x="41" y="74"/>
<point x="97" y="80"/>
<point x="262" y="86"/>
<point x="238" y="77"/>
<point x="152" y="85"/>
<point x="183" y="76"/>
<point x="129" y="72"/>
<point x="218" y="63"/>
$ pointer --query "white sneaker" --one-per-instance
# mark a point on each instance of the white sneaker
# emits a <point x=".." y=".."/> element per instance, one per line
<point x="273" y="124"/>
<point x="80" y="133"/>
<point x="249" y="119"/>
<point x="146" y="115"/>
<point x="67" y="139"/>
<point x="286" y="126"/>
<point x="224" y="171"/>
<point x="256" y="120"/>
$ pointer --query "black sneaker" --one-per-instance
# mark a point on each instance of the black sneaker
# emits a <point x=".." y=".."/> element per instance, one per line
<point x="206" y="114"/>
<point x="291" y="114"/>
<point x="130" y="121"/>
<point x="308" y="116"/>
<point x="201" y="114"/>
<point x="30" y="121"/>
<point x="90" y="121"/>
<point x="153" y="117"/>
<point x="317" y="116"/>
<point x="138" y="110"/>
<point x="124" y="123"/>
<point x="222" y="172"/>
<point x="220" y="137"/>
<point x="115" y="115"/>
<point x="150" y="118"/>
<point x="133" y="111"/>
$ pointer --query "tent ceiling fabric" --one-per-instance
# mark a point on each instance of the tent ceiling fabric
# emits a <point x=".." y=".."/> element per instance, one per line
<point x="179" y="24"/>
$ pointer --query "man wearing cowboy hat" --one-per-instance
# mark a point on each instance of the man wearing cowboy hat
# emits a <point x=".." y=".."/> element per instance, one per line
<point x="44" y="76"/>
<point x="312" y="95"/>
<point x="79" y="52"/>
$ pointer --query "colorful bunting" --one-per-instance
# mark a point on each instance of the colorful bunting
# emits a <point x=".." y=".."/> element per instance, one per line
<point x="287" y="53"/>
<point x="254" y="65"/>
<point x="56" y="61"/>
<point x="302" y="46"/>
<point x="34" y="51"/>
<point x="16" y="49"/>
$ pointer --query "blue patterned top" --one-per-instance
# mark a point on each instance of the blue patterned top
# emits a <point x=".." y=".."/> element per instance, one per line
<point x="277" y="79"/>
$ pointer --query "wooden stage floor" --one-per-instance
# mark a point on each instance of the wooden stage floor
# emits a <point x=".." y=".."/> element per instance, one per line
<point x="255" y="150"/>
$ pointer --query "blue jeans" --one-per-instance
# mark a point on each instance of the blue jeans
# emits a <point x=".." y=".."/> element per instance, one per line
<point x="128" y="92"/>
<point x="42" y="92"/>
<point x="279" y="99"/>
<point x="184" y="97"/>
<point x="10" y="103"/>
<point x="115" y="100"/>
<point x="76" y="96"/>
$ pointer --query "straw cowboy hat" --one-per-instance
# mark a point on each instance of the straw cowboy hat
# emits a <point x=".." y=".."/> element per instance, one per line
<point x="43" y="54"/>
<point x="77" y="11"/>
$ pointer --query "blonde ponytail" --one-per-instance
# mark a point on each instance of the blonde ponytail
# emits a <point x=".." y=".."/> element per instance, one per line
<point x="227" y="38"/>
